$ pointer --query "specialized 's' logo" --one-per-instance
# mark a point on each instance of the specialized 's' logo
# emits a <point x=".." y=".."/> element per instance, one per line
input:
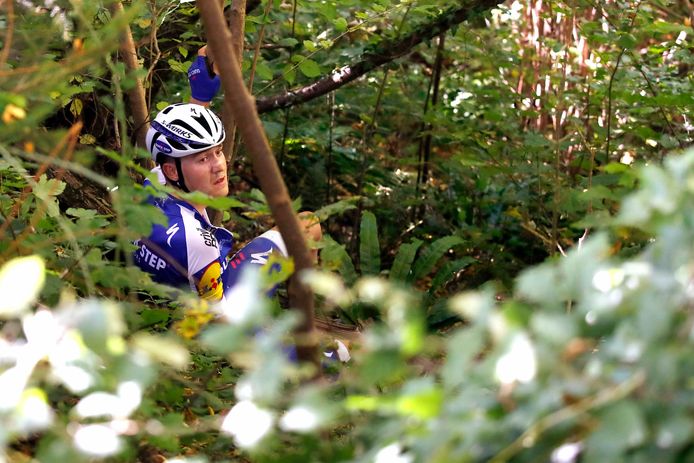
<point x="260" y="258"/>
<point x="163" y="146"/>
<point x="210" y="284"/>
<point x="171" y="232"/>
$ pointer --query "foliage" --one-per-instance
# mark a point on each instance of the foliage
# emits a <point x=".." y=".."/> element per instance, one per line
<point x="508" y="217"/>
<point x="591" y="356"/>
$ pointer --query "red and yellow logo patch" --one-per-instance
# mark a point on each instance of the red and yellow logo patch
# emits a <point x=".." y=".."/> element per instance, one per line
<point x="210" y="285"/>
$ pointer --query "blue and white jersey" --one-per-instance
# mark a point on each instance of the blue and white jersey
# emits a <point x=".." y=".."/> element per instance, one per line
<point x="191" y="252"/>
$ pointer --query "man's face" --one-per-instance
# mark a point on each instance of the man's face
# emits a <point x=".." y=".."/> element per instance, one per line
<point x="206" y="172"/>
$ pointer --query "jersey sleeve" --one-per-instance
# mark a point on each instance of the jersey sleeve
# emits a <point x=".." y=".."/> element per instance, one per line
<point x="161" y="257"/>
<point x="255" y="254"/>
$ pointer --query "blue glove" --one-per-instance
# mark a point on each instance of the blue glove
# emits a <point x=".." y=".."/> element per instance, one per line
<point x="204" y="84"/>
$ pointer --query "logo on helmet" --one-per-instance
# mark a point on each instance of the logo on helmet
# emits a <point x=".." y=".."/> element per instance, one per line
<point x="178" y="130"/>
<point x="163" y="146"/>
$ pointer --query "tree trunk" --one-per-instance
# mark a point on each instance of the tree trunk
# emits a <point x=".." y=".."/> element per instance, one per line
<point x="237" y="18"/>
<point x="136" y="95"/>
<point x="266" y="169"/>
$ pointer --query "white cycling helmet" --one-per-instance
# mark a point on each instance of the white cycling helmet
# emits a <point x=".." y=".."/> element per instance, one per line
<point x="180" y="130"/>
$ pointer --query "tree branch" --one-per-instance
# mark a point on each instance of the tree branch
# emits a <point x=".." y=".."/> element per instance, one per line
<point x="265" y="167"/>
<point x="136" y="95"/>
<point x="387" y="51"/>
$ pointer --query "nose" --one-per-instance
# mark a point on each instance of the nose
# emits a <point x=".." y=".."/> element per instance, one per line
<point x="220" y="162"/>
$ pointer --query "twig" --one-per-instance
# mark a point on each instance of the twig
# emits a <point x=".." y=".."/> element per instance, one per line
<point x="5" y="53"/>
<point x="609" y="105"/>
<point x="256" y="53"/>
<point x="285" y="132"/>
<point x="557" y="152"/>
<point x="71" y="133"/>
<point x="655" y="94"/>
<point x="368" y="129"/>
<point x="531" y="435"/>
<point x="136" y="95"/>
<point x="329" y="160"/>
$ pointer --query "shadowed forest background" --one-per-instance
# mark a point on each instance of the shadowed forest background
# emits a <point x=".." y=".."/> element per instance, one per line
<point x="506" y="191"/>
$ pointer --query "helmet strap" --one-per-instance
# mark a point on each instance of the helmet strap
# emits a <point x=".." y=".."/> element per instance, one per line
<point x="181" y="183"/>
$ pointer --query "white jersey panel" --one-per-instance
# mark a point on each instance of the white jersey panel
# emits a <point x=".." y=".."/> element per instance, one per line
<point x="201" y="245"/>
<point x="276" y="238"/>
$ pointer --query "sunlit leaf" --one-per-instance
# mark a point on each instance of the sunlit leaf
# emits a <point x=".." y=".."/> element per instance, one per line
<point x="21" y="280"/>
<point x="162" y="349"/>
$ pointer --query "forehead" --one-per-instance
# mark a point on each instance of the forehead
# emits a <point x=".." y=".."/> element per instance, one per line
<point x="203" y="153"/>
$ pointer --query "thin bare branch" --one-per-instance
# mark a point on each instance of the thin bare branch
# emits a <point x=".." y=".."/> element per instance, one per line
<point x="5" y="53"/>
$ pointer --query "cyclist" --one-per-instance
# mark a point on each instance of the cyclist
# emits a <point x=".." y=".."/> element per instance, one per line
<point x="185" y="141"/>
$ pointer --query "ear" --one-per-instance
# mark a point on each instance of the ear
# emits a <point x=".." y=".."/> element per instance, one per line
<point x="170" y="171"/>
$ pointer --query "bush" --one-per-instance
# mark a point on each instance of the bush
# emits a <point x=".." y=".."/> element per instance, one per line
<point x="591" y="357"/>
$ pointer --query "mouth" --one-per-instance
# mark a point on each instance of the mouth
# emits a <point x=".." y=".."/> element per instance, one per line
<point x="220" y="181"/>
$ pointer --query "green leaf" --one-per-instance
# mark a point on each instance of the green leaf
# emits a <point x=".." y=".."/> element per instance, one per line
<point x="76" y="107"/>
<point x="449" y="270"/>
<point x="664" y="27"/>
<point x="87" y="139"/>
<point x="225" y="202"/>
<point x="178" y="66"/>
<point x="101" y="325"/>
<point x="277" y="270"/>
<point x="309" y="68"/>
<point x="369" y="249"/>
<point x="263" y="70"/>
<point x="334" y="257"/>
<point x="402" y="265"/>
<point x="336" y="208"/>
<point x="627" y="41"/>
<point x="46" y="190"/>
<point x="424" y="402"/>
<point x="621" y="427"/>
<point x="340" y="24"/>
<point x="152" y="317"/>
<point x="463" y="347"/>
<point x="163" y="349"/>
<point x="381" y="366"/>
<point x="288" y="42"/>
<point x="289" y="74"/>
<point x="431" y="255"/>
<point x="222" y="338"/>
